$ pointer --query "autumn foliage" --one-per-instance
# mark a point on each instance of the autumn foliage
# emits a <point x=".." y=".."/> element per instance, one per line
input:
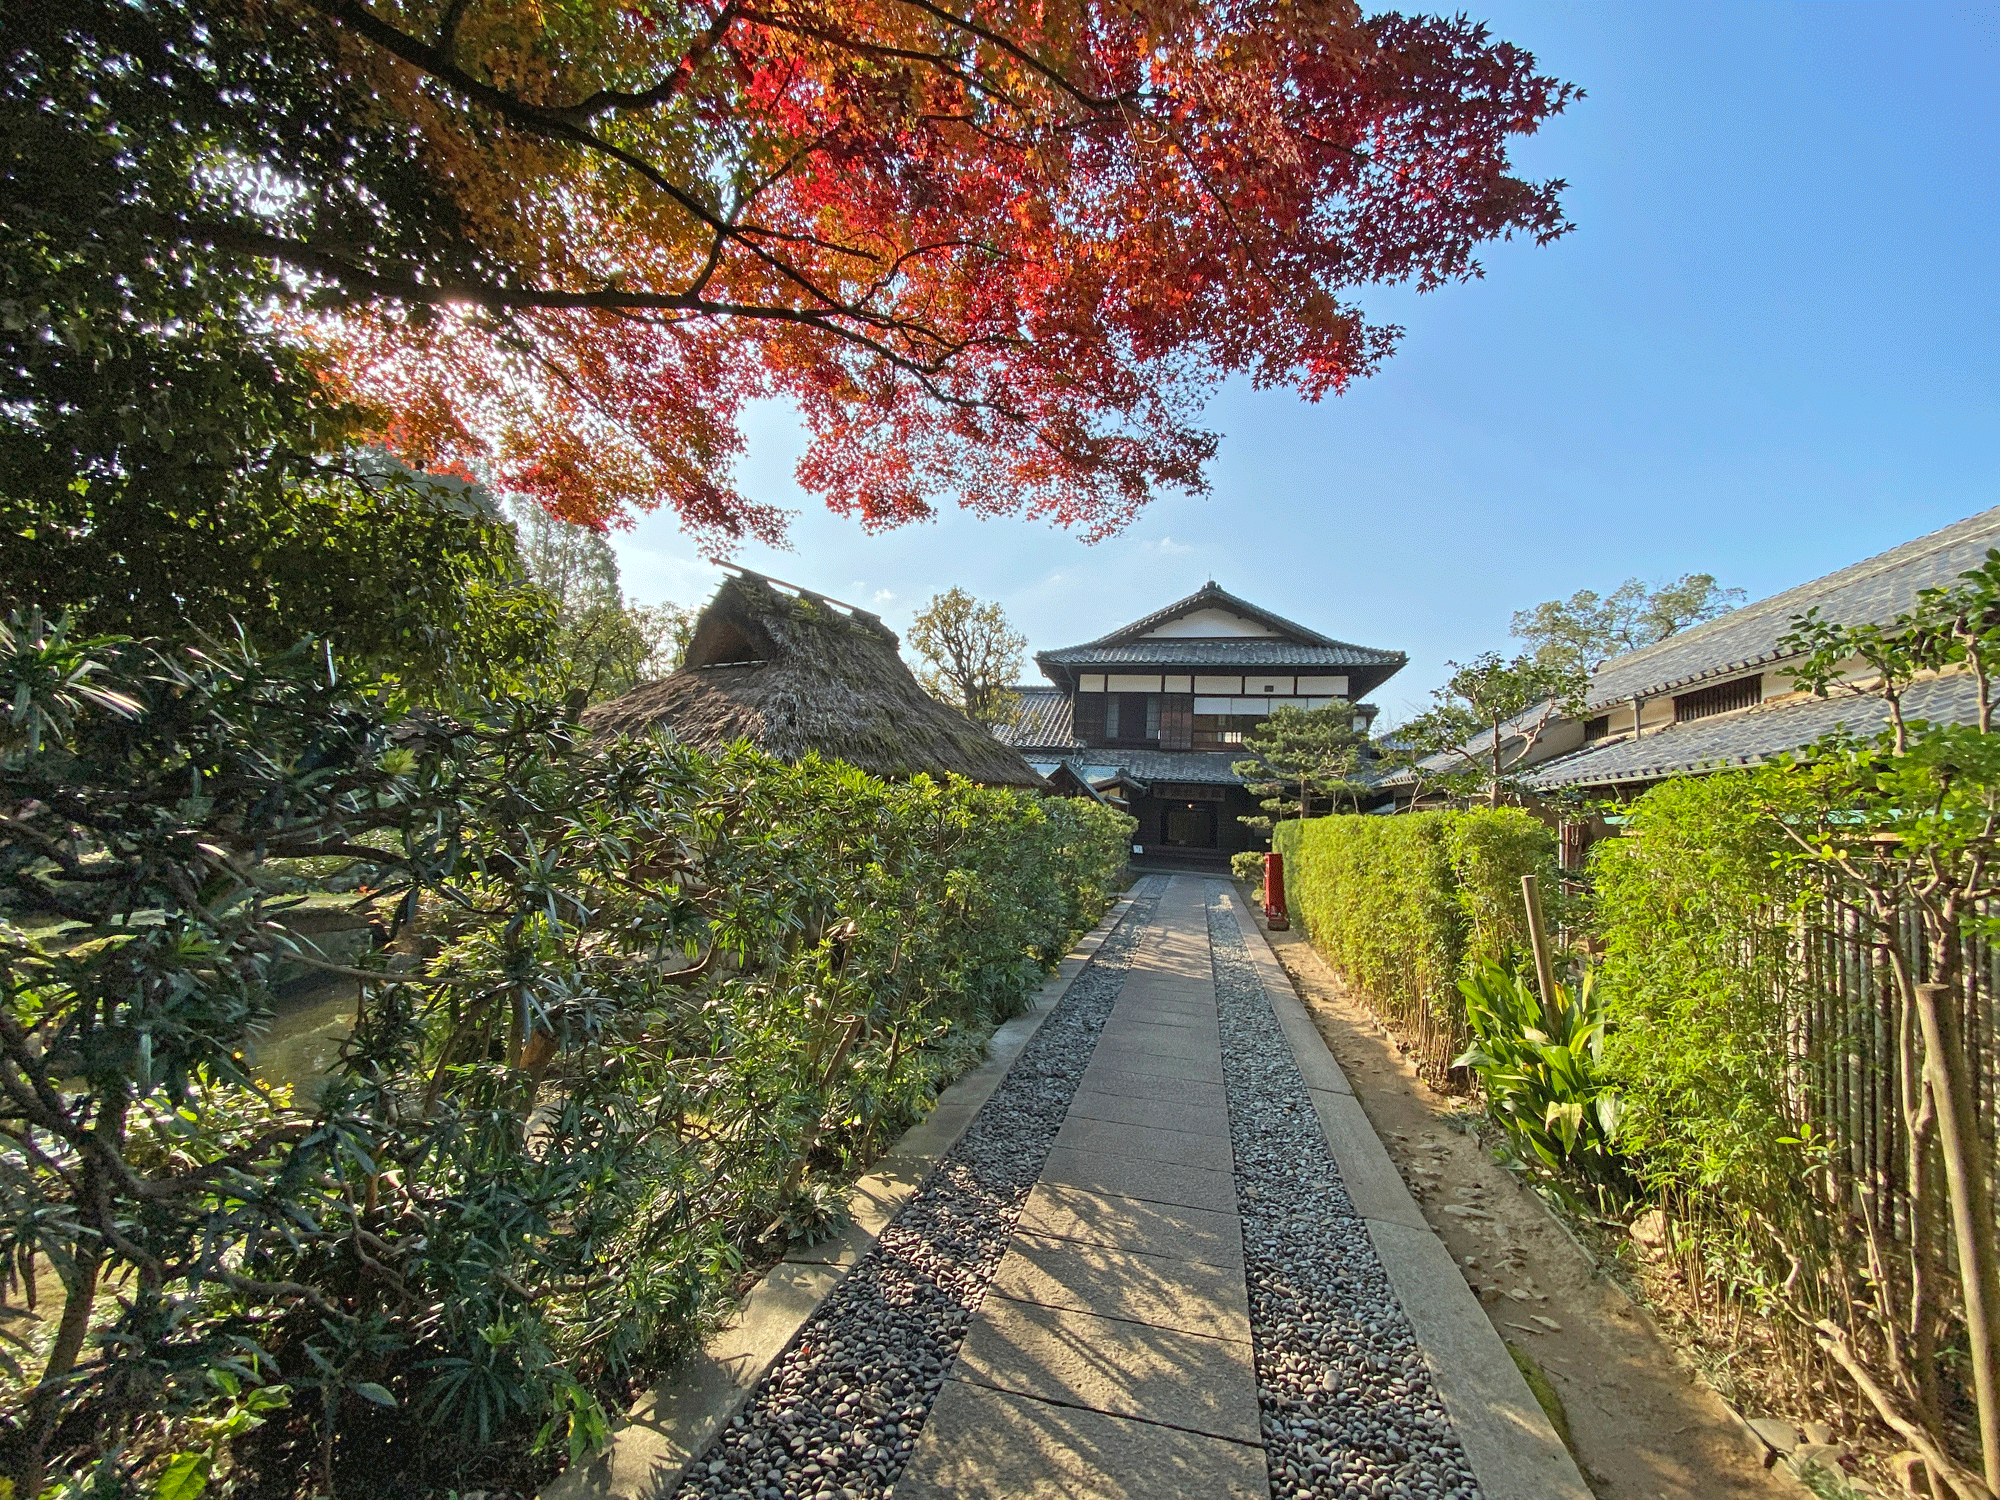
<point x="991" y="250"/>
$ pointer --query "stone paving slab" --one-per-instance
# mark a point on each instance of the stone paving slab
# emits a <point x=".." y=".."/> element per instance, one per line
<point x="1120" y="1060"/>
<point x="1112" y="1083"/>
<point x="1183" y="1380"/>
<point x="1180" y="1148"/>
<point x="1180" y="1024"/>
<point x="1066" y="1213"/>
<point x="1155" y="1182"/>
<point x="1176" y="1043"/>
<point x="1171" y="1112"/>
<point x="1158" y="1290"/>
<point x="982" y="1444"/>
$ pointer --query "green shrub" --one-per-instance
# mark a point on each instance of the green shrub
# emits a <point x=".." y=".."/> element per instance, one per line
<point x="664" y="1006"/>
<point x="1248" y="865"/>
<point x="1696" y="916"/>
<point x="1544" y="1080"/>
<point x="1401" y="906"/>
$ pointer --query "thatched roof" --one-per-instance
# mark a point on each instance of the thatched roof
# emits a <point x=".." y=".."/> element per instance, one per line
<point x="792" y="672"/>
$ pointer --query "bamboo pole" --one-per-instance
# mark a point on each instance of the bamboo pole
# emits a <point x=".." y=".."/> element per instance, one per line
<point x="1538" y="938"/>
<point x="1972" y="1221"/>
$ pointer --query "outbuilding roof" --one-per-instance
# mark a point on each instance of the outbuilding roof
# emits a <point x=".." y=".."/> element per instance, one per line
<point x="1042" y="719"/>
<point x="1749" y="736"/>
<point x="796" y="673"/>
<point x="1875" y="591"/>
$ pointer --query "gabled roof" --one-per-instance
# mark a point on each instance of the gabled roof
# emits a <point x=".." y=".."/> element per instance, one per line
<point x="1289" y="645"/>
<point x="1875" y="590"/>
<point x="1234" y="651"/>
<point x="1213" y="596"/>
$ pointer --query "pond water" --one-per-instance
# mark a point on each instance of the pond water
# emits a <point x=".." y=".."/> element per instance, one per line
<point x="301" y="1041"/>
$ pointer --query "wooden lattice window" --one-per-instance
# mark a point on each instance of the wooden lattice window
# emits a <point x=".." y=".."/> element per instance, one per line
<point x="1723" y="698"/>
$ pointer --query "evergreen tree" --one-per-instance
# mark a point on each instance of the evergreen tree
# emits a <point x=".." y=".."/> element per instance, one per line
<point x="1304" y="761"/>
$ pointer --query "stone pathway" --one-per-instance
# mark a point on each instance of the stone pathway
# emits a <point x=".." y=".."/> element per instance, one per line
<point x="1112" y="1355"/>
<point x="1167" y="1258"/>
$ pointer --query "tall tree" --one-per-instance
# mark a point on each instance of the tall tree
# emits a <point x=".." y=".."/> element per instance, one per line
<point x="1586" y="628"/>
<point x="1302" y="761"/>
<point x="600" y="646"/>
<point x="990" y="251"/>
<point x="1487" y="720"/>
<point x="969" y="655"/>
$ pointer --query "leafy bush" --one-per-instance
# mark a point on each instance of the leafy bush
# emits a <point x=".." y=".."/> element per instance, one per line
<point x="1544" y="1080"/>
<point x="643" y="1012"/>
<point x="1402" y="906"/>
<point x="1248" y="864"/>
<point x="1698" y="960"/>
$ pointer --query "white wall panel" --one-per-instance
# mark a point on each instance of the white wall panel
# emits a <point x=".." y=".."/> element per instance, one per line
<point x="1230" y="685"/>
<point x="1130" y="682"/>
<point x="1090" y="682"/>
<point x="1332" y="686"/>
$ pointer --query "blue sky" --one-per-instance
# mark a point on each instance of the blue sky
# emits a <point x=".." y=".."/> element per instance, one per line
<point x="1770" y="348"/>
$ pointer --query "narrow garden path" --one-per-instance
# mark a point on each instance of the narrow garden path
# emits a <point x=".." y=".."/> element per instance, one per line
<point x="1141" y="1273"/>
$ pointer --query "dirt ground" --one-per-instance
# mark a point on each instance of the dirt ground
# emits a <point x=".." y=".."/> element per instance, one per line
<point x="1642" y="1422"/>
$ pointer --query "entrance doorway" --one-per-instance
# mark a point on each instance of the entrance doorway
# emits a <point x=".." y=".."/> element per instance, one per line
<point x="1189" y="825"/>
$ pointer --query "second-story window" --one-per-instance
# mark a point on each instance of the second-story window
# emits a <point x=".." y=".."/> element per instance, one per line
<point x="1724" y="697"/>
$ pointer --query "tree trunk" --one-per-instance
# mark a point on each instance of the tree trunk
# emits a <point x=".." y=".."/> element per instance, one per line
<point x="45" y="1406"/>
<point x="1971" y="1215"/>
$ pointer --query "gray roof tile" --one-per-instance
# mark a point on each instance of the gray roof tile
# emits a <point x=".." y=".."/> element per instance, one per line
<point x="1746" y="738"/>
<point x="1042" y="720"/>
<point x="1875" y="590"/>
<point x="1247" y="651"/>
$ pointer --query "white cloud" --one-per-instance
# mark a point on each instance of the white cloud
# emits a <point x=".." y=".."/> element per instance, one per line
<point x="1166" y="546"/>
<point x="884" y="596"/>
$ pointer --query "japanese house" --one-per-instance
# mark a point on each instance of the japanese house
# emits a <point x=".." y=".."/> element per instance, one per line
<point x="1721" y="694"/>
<point x="1152" y="716"/>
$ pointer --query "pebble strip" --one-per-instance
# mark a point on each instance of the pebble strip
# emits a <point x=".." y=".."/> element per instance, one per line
<point x="839" y="1413"/>
<point x="1346" y="1399"/>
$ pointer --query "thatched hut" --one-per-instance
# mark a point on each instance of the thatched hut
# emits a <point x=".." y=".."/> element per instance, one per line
<point x="792" y="671"/>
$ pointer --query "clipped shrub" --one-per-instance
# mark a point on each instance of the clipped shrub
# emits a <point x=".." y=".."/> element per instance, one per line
<point x="1402" y="906"/>
<point x="1700" y="955"/>
<point x="1248" y="865"/>
<point x="649" y="1011"/>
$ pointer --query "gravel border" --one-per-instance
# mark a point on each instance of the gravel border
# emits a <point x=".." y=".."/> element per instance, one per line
<point x="839" y="1413"/>
<point x="1348" y="1406"/>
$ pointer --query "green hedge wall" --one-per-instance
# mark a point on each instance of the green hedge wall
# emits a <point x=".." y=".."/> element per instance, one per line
<point x="1401" y="906"/>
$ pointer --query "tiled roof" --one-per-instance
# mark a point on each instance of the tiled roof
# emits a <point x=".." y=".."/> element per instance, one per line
<point x="1876" y="590"/>
<point x="1745" y="738"/>
<point x="1042" y="720"/>
<point x="1236" y="651"/>
<point x="1203" y="767"/>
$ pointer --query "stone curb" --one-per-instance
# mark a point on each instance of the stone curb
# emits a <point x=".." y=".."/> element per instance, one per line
<point x="1512" y="1448"/>
<point x="665" y="1430"/>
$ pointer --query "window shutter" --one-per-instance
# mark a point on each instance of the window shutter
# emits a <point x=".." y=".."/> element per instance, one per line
<point x="1088" y="719"/>
<point x="1176" y="721"/>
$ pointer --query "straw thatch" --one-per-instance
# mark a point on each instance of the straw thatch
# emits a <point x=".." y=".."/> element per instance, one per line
<point x="794" y="672"/>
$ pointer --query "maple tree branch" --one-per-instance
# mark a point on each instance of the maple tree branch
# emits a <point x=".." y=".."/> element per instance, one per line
<point x="606" y="101"/>
<point x="1020" y="54"/>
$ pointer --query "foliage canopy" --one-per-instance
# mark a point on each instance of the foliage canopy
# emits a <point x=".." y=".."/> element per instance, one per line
<point x="996" y="252"/>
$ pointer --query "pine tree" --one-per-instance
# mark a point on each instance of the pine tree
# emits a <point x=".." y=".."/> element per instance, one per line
<point x="1305" y="760"/>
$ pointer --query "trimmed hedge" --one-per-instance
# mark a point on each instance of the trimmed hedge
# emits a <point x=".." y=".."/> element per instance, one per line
<point x="1404" y="907"/>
